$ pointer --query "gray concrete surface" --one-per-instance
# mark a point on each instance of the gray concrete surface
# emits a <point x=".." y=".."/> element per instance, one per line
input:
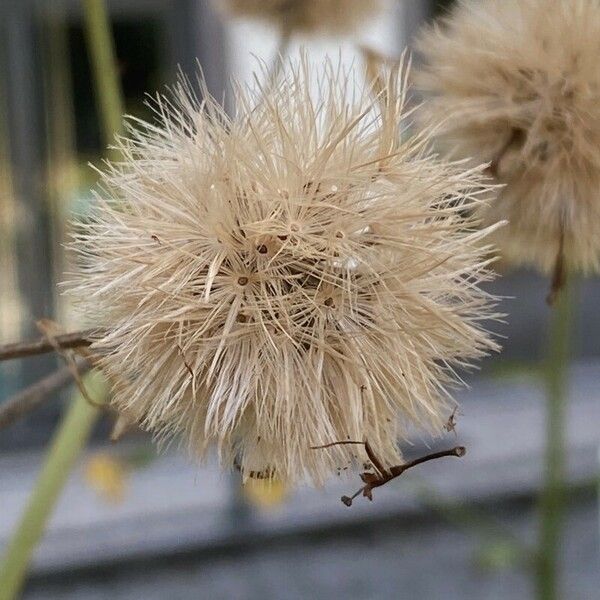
<point x="392" y="560"/>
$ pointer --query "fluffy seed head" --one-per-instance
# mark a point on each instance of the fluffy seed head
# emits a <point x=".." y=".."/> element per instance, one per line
<point x="519" y="83"/>
<point x="308" y="16"/>
<point x="290" y="276"/>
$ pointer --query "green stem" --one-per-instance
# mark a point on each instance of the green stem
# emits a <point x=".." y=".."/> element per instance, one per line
<point x="552" y="499"/>
<point x="105" y="69"/>
<point x="64" y="450"/>
<point x="76" y="426"/>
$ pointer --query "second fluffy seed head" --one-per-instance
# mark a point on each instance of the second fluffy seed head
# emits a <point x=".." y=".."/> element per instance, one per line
<point x="518" y="82"/>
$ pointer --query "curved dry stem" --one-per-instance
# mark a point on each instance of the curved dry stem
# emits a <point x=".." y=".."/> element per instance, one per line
<point x="37" y="394"/>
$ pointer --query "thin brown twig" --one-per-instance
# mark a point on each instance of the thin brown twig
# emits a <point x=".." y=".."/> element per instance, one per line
<point x="50" y="329"/>
<point x="76" y="339"/>
<point x="374" y="460"/>
<point x="383" y="476"/>
<point x="38" y="393"/>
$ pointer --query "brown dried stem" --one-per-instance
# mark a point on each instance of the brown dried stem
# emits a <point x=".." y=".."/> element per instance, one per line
<point x="383" y="476"/>
<point x="37" y="394"/>
<point x="76" y="339"/>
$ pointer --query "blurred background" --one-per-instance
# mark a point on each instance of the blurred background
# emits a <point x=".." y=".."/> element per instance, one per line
<point x="133" y="524"/>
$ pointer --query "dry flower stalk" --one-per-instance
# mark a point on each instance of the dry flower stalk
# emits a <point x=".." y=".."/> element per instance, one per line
<point x="305" y="16"/>
<point x="295" y="274"/>
<point x="38" y="393"/>
<point x="382" y="476"/>
<point x="519" y="83"/>
<point x="66" y="341"/>
<point x="32" y="397"/>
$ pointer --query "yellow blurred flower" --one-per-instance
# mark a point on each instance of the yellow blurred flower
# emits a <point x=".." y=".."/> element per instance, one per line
<point x="107" y="476"/>
<point x="265" y="493"/>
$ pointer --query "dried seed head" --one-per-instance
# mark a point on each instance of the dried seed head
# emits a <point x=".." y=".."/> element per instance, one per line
<point x="305" y="16"/>
<point x="324" y="337"/>
<point x="519" y="84"/>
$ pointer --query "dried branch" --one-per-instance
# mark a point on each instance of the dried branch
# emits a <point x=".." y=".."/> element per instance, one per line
<point x="37" y="394"/>
<point x="76" y="339"/>
<point x="383" y="476"/>
<point x="50" y="329"/>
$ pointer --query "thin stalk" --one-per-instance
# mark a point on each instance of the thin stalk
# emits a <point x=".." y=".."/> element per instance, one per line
<point x="64" y="450"/>
<point x="103" y="58"/>
<point x="552" y="499"/>
<point x="77" y="424"/>
<point x="34" y="396"/>
<point x="66" y="341"/>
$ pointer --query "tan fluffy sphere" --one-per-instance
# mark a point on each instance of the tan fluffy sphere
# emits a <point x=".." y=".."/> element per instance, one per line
<point x="290" y="276"/>
<point x="337" y="16"/>
<point x="518" y="82"/>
